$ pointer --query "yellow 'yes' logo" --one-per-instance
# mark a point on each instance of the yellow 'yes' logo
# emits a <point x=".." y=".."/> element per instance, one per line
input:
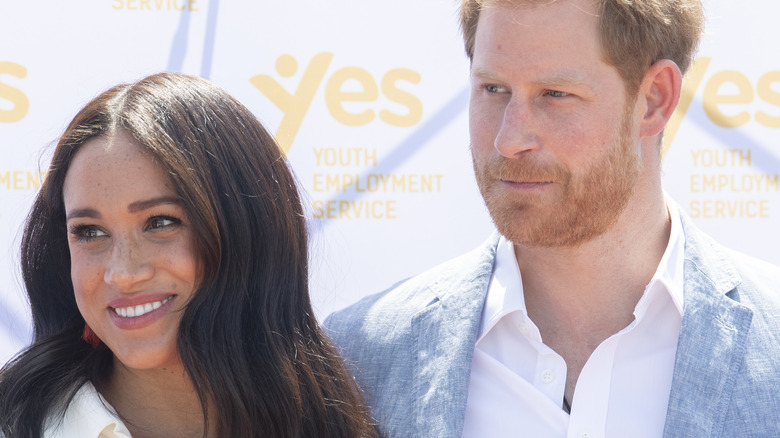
<point x="21" y="104"/>
<point x="295" y="105"/>
<point x="714" y="98"/>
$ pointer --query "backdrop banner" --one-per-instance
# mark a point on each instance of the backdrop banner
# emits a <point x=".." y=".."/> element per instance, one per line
<point x="369" y="101"/>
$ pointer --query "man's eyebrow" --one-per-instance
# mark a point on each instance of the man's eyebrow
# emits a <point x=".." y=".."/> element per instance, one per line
<point x="482" y="73"/>
<point x="561" y="78"/>
<point x="147" y="204"/>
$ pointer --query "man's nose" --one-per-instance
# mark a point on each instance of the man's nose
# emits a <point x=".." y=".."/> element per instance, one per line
<point x="519" y="131"/>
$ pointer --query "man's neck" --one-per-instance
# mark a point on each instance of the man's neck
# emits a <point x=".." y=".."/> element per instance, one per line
<point x="602" y="279"/>
<point x="579" y="296"/>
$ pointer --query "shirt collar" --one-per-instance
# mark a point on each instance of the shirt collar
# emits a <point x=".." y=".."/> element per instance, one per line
<point x="88" y="415"/>
<point x="670" y="270"/>
<point x="505" y="291"/>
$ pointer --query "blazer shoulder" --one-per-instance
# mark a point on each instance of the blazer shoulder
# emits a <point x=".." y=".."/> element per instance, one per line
<point x="387" y="314"/>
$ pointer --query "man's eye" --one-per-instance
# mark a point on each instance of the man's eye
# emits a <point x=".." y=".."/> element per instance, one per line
<point x="556" y="93"/>
<point x="494" y="89"/>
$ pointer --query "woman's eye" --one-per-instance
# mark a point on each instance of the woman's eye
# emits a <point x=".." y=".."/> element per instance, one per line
<point x="87" y="232"/>
<point x="158" y="222"/>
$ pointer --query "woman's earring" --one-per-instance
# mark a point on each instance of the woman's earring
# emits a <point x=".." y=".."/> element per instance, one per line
<point x="90" y="337"/>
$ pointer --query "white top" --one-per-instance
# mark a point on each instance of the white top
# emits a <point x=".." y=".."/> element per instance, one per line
<point x="517" y="382"/>
<point x="88" y="416"/>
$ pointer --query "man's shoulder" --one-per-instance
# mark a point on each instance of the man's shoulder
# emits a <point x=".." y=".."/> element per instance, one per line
<point x="387" y="312"/>
<point x="754" y="279"/>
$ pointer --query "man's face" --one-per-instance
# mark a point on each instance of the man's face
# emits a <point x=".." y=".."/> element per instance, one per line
<point x="554" y="145"/>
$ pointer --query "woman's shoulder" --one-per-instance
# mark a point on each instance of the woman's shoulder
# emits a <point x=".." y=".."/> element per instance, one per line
<point x="88" y="416"/>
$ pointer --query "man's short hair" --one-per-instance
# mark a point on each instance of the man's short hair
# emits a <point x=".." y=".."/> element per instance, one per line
<point x="634" y="33"/>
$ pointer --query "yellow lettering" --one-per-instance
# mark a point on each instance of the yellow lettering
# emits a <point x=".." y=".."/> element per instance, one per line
<point x="17" y="97"/>
<point x="713" y="99"/>
<point x="319" y="213"/>
<point x="773" y="182"/>
<point x="370" y="157"/>
<point x="745" y="157"/>
<point x="21" y="180"/>
<point x="130" y="6"/>
<point x="693" y="207"/>
<point x="768" y="95"/>
<point x="410" y="101"/>
<point x="709" y="182"/>
<point x="727" y="209"/>
<point x="117" y="4"/>
<point x="347" y="180"/>
<point x="33" y="180"/>
<point x="364" y="209"/>
<point x="695" y="183"/>
<point x="345" y="157"/>
<point x="695" y="153"/>
<point x="399" y="182"/>
<point x="192" y="6"/>
<point x="335" y="97"/>
<point x="332" y="182"/>
<point x="294" y="106"/>
<point x="690" y="84"/>
<point x="318" y="155"/>
<point x="317" y="182"/>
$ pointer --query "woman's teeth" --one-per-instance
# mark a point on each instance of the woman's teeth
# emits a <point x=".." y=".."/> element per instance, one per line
<point x="141" y="309"/>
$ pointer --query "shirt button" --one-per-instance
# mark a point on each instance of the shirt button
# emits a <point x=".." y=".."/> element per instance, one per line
<point x="584" y="435"/>
<point x="548" y="376"/>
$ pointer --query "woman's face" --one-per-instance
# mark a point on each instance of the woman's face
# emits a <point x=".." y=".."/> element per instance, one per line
<point x="131" y="248"/>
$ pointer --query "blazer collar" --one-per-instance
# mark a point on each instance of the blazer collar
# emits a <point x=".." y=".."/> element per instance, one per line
<point x="712" y="339"/>
<point x="443" y="338"/>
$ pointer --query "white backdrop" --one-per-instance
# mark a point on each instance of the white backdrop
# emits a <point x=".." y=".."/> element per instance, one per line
<point x="385" y="171"/>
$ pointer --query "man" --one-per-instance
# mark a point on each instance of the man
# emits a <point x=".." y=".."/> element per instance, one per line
<point x="598" y="309"/>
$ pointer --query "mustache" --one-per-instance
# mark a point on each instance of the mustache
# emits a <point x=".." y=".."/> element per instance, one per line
<point x="521" y="169"/>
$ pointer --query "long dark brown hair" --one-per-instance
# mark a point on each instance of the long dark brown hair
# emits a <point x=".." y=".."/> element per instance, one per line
<point x="248" y="338"/>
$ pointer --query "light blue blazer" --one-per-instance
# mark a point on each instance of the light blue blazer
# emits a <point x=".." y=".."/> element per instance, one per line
<point x="410" y="347"/>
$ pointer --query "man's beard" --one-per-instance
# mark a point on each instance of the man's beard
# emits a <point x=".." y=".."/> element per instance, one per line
<point x="585" y="205"/>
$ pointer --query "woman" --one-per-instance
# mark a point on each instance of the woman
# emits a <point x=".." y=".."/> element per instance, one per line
<point x="165" y="260"/>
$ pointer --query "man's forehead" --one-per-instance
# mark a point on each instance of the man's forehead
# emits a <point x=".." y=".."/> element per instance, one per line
<point x="586" y="5"/>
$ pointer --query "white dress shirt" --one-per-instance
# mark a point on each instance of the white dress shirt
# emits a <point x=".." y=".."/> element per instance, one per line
<point x="88" y="416"/>
<point x="517" y="382"/>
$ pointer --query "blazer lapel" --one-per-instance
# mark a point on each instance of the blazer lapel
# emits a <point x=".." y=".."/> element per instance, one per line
<point x="712" y="340"/>
<point x="443" y="338"/>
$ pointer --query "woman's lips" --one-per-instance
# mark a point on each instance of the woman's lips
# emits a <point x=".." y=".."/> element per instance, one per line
<point x="141" y="311"/>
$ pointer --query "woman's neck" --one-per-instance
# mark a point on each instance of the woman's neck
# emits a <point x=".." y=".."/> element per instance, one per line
<point x="156" y="403"/>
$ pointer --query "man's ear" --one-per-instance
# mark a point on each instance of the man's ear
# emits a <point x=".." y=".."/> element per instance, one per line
<point x="660" y="90"/>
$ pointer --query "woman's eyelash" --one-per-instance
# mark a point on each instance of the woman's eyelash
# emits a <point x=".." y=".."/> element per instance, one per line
<point x="157" y="222"/>
<point x="85" y="232"/>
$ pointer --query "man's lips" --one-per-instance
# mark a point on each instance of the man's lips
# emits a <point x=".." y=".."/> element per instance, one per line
<point x="529" y="185"/>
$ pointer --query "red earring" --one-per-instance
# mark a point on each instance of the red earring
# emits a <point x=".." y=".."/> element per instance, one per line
<point x="90" y="337"/>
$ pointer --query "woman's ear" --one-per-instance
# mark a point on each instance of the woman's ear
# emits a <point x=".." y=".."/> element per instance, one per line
<point x="660" y="90"/>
